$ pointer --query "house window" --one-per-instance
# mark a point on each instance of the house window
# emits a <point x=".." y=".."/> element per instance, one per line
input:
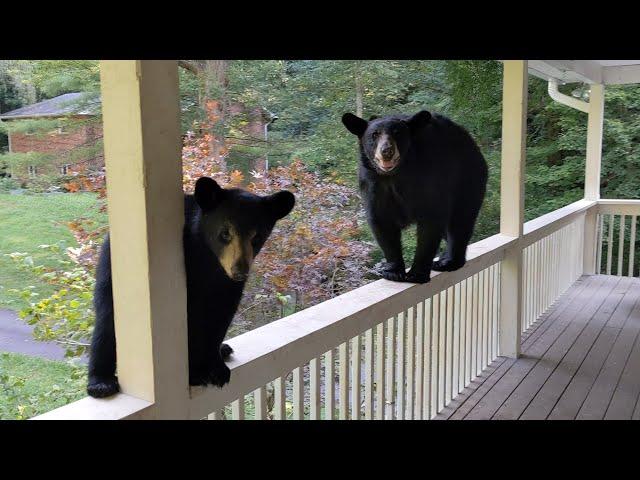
<point x="64" y="169"/>
<point x="33" y="171"/>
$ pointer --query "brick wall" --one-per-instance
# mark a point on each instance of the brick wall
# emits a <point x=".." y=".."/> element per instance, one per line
<point x="75" y="133"/>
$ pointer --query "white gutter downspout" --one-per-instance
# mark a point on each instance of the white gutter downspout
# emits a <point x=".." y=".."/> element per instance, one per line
<point x="566" y="99"/>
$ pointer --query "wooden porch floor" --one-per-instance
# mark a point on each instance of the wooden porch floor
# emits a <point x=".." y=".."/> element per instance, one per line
<point x="580" y="360"/>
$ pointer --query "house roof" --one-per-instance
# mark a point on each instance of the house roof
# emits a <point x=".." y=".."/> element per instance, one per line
<point x="77" y="103"/>
<point x="607" y="72"/>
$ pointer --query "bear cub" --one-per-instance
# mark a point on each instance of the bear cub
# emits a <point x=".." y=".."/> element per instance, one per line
<point x="224" y="230"/>
<point x="422" y="169"/>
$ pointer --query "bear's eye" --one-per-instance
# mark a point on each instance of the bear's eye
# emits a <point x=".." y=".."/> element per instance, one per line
<point x="225" y="236"/>
<point x="375" y="135"/>
<point x="255" y="241"/>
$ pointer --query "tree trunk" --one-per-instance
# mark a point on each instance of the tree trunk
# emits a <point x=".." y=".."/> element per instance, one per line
<point x="359" y="89"/>
<point x="215" y="84"/>
<point x="213" y="75"/>
<point x="357" y="73"/>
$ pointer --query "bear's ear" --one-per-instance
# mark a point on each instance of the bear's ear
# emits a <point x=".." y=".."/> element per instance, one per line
<point x="420" y="119"/>
<point x="207" y="193"/>
<point x="281" y="203"/>
<point x="354" y="124"/>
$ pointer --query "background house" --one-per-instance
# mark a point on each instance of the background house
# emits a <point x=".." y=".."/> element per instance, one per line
<point x="71" y="141"/>
<point x="67" y="138"/>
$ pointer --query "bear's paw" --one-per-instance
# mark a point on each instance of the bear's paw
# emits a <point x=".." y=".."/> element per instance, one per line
<point x="219" y="376"/>
<point x="102" y="387"/>
<point x="447" y="265"/>
<point x="225" y="351"/>
<point x="417" y="277"/>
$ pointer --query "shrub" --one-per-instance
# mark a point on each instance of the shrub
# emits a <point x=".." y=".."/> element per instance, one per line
<point x="7" y="184"/>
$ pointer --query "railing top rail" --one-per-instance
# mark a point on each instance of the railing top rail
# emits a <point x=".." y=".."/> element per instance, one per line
<point x="118" y="407"/>
<point x="619" y="207"/>
<point x="545" y="225"/>
<point x="618" y="201"/>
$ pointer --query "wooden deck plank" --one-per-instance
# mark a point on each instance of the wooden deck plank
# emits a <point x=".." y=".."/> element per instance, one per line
<point x="483" y="385"/>
<point x="540" y="325"/>
<point x="482" y="389"/>
<point x="500" y="392"/>
<point x="462" y="397"/>
<point x="581" y="359"/>
<point x="600" y="308"/>
<point x="636" y="412"/>
<point x="627" y="392"/>
<point x="571" y="399"/>
<point x="564" y="370"/>
<point x="544" y="366"/>
<point x="468" y="398"/>
<point x="601" y="393"/>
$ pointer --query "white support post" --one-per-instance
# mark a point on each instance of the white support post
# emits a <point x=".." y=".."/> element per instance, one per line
<point x="142" y="146"/>
<point x="514" y="135"/>
<point x="592" y="174"/>
<point x="594" y="143"/>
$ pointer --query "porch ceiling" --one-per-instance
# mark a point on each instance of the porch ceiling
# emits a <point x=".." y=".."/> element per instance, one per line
<point x="608" y="72"/>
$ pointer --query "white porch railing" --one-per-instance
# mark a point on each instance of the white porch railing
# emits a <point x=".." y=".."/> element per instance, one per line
<point x="392" y="351"/>
<point x="404" y="357"/>
<point x="387" y="350"/>
<point x="617" y="234"/>
<point x="550" y="266"/>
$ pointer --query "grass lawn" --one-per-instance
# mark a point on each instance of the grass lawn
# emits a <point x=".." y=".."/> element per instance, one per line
<point x="39" y="393"/>
<point x="29" y="220"/>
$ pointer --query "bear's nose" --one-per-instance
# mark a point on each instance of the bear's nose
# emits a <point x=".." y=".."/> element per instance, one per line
<point x="240" y="270"/>
<point x="387" y="151"/>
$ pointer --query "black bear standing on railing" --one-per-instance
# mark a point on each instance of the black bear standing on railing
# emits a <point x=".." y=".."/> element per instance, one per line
<point x="422" y="169"/>
<point x="223" y="232"/>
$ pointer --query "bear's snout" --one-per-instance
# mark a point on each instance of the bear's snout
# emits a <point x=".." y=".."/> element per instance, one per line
<point x="387" y="151"/>
<point x="386" y="154"/>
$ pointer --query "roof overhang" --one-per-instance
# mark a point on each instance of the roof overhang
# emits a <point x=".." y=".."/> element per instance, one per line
<point x="24" y="117"/>
<point x="607" y="72"/>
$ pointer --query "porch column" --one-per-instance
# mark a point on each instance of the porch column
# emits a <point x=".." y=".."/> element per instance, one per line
<point x="514" y="135"/>
<point x="142" y="146"/>
<point x="592" y="174"/>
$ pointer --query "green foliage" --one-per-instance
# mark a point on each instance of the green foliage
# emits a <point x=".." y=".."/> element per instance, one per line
<point x="23" y="159"/>
<point x="9" y="100"/>
<point x="32" y="386"/>
<point x="621" y="142"/>
<point x="189" y="105"/>
<point x="7" y="184"/>
<point x="56" y="77"/>
<point x="29" y="221"/>
<point x="66" y="316"/>
<point x="32" y="126"/>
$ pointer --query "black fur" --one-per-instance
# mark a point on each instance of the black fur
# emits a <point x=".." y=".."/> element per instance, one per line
<point x="212" y="297"/>
<point x="438" y="183"/>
